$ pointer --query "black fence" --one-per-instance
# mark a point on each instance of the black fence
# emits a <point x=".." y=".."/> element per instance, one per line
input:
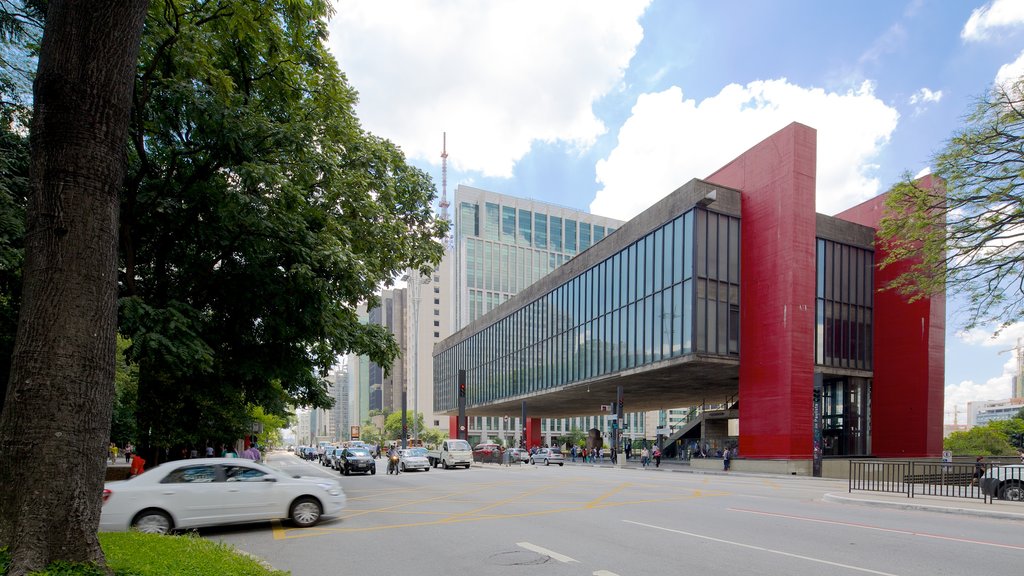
<point x="981" y="480"/>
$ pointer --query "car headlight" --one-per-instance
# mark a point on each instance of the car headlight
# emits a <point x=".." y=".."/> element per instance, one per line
<point x="331" y="489"/>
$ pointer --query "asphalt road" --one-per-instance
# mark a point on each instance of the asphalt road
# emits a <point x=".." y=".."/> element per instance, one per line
<point x="576" y="520"/>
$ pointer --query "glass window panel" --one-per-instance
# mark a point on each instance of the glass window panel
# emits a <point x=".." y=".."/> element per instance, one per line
<point x="677" y="320"/>
<point x="688" y="245"/>
<point x="491" y="225"/>
<point x="677" y="250"/>
<point x="470" y="219"/>
<point x="649" y="329"/>
<point x="702" y="245"/>
<point x="712" y="247"/>
<point x="584" y="236"/>
<point x="540" y="230"/>
<point x="734" y="250"/>
<point x="556" y="233"/>
<point x="650" y="263"/>
<point x="526" y="227"/>
<point x="570" y="236"/>
<point x="723" y="250"/>
<point x="723" y="328"/>
<point x="598" y="233"/>
<point x="658" y="259"/>
<point x="508" y="224"/>
<point x="656" y="330"/>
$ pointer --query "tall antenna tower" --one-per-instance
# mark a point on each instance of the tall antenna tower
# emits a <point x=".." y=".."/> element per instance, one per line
<point x="444" y="176"/>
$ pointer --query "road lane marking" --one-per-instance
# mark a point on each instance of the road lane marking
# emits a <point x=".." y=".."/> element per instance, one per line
<point x="878" y="528"/>
<point x="605" y="573"/>
<point x="545" y="552"/>
<point x="596" y="501"/>
<point x="762" y="549"/>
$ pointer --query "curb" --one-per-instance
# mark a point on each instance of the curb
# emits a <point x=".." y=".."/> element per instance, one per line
<point x="910" y="505"/>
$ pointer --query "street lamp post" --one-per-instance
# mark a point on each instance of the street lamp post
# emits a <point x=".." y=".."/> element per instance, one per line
<point x="415" y="281"/>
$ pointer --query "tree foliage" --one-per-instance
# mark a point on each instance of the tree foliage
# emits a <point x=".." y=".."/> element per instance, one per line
<point x="393" y="424"/>
<point x="968" y="235"/>
<point x="256" y="216"/>
<point x="980" y="440"/>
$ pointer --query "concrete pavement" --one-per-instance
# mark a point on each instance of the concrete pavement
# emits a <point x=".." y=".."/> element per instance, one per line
<point x="1002" y="509"/>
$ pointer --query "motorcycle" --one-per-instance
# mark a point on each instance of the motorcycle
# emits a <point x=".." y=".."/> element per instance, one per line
<point x="393" y="464"/>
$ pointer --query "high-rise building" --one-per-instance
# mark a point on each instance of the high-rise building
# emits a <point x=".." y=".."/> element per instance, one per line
<point x="502" y="244"/>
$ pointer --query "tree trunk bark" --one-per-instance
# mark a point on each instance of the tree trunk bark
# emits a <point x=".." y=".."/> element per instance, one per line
<point x="55" y="425"/>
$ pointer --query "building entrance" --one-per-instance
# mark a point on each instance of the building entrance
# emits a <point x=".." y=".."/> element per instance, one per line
<point x="844" y="416"/>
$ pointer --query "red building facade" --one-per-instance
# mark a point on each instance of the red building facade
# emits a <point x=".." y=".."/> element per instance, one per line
<point x="777" y="365"/>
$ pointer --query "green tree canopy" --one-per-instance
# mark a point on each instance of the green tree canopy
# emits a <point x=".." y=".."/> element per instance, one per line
<point x="393" y="424"/>
<point x="968" y="236"/>
<point x="256" y="217"/>
<point x="980" y="440"/>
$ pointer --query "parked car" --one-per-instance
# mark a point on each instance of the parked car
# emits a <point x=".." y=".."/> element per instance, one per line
<point x="1011" y="481"/>
<point x="487" y="453"/>
<point x="211" y="491"/>
<point x="328" y="456"/>
<point x="413" y="459"/>
<point x="547" y="457"/>
<point x="518" y="455"/>
<point x="356" y="460"/>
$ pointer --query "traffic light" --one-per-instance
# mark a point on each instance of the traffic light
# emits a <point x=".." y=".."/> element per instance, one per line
<point x="462" y="389"/>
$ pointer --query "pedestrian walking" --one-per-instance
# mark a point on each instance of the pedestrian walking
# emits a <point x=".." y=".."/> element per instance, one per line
<point x="644" y="457"/>
<point x="726" y="459"/>
<point x="657" y="457"/>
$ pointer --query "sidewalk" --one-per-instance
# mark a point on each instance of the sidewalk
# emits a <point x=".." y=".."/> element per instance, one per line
<point x="1002" y="509"/>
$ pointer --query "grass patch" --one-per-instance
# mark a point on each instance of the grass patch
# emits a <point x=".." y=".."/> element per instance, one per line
<point x="135" y="554"/>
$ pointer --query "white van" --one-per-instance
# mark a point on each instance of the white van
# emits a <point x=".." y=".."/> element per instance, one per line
<point x="451" y="453"/>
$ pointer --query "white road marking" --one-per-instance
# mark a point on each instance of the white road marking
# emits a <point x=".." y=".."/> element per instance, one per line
<point x="880" y="529"/>
<point x="762" y="549"/>
<point x="545" y="552"/>
<point x="605" y="573"/>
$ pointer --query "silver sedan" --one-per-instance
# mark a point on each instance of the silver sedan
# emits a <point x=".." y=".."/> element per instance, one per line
<point x="413" y="459"/>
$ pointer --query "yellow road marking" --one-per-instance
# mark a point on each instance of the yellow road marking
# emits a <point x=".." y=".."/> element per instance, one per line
<point x="593" y="503"/>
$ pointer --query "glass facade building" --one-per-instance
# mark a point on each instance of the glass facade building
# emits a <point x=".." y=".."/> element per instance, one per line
<point x="504" y="244"/>
<point x="672" y="292"/>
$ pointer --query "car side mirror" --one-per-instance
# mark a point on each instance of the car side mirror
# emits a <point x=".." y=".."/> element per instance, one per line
<point x="269" y="479"/>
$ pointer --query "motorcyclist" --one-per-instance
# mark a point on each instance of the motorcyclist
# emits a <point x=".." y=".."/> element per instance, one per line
<point x="393" y="460"/>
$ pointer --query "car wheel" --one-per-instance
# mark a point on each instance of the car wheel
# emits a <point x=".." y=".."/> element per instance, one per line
<point x="546" y="463"/>
<point x="345" y="471"/>
<point x="444" y="464"/>
<point x="152" y="522"/>
<point x="561" y="463"/>
<point x="373" y="471"/>
<point x="1012" y="491"/>
<point x="401" y="466"/>
<point x="305" y="512"/>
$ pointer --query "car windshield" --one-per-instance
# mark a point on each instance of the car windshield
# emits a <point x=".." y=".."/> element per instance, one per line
<point x="458" y="445"/>
<point x="416" y="452"/>
<point x="358" y="452"/>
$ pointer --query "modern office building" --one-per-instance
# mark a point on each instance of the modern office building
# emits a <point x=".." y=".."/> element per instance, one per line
<point x="503" y="244"/>
<point x="730" y="290"/>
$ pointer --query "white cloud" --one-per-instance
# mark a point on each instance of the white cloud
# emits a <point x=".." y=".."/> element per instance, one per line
<point x="669" y="140"/>
<point x="998" y="388"/>
<point x="1006" y="339"/>
<point x="1012" y="71"/>
<point x="497" y="75"/>
<point x="923" y="172"/>
<point x="999" y="14"/>
<point x="925" y="95"/>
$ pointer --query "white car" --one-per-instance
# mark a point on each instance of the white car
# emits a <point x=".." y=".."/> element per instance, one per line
<point x="1011" y="481"/>
<point x="413" y="459"/>
<point x="547" y="456"/>
<point x="209" y="491"/>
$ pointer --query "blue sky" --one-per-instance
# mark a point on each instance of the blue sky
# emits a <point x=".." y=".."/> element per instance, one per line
<point x="608" y="105"/>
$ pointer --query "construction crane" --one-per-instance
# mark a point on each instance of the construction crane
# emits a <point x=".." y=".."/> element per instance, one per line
<point x="1018" y="378"/>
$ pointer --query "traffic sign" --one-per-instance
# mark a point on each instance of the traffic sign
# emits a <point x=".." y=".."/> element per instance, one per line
<point x="606" y="407"/>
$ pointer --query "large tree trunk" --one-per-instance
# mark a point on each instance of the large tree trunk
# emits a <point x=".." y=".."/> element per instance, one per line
<point x="55" y="424"/>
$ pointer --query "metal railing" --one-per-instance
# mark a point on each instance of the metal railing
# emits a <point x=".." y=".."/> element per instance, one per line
<point x="930" y="478"/>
